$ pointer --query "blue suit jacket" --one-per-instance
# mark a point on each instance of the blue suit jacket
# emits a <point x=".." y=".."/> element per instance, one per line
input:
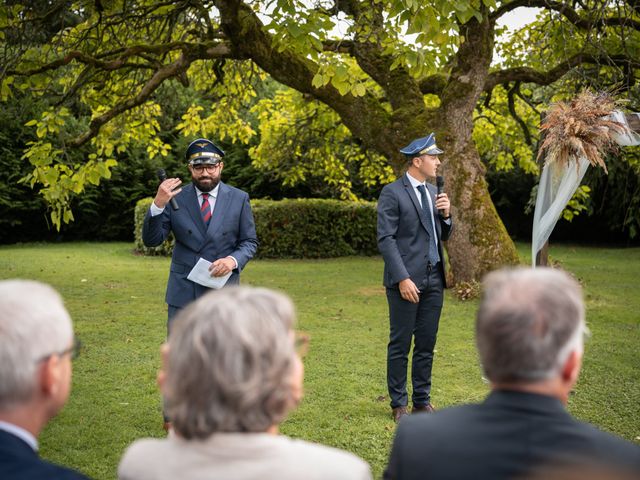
<point x="231" y="231"/>
<point x="402" y="233"/>
<point x="18" y="461"/>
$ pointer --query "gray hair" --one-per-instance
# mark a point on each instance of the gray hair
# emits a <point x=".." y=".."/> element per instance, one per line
<point x="528" y="323"/>
<point x="230" y="364"/>
<point x="33" y="324"/>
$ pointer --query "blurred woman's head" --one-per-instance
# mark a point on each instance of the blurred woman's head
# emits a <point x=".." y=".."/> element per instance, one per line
<point x="231" y="364"/>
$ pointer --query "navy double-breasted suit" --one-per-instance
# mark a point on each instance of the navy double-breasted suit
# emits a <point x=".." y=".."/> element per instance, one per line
<point x="231" y="232"/>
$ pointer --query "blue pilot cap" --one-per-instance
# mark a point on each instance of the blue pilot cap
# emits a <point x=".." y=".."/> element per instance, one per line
<point x="203" y="152"/>
<point x="422" y="146"/>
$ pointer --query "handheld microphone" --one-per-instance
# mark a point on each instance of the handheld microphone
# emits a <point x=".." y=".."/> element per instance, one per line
<point x="162" y="176"/>
<point x="440" y="186"/>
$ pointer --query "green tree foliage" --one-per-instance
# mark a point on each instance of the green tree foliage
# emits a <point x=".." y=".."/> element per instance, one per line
<point x="301" y="140"/>
<point x="389" y="70"/>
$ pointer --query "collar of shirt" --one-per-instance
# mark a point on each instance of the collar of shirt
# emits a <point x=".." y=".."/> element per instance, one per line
<point x="21" y="433"/>
<point x="416" y="183"/>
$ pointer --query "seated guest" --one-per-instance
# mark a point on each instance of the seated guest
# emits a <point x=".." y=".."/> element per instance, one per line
<point x="529" y="334"/>
<point x="36" y="346"/>
<point x="231" y="375"/>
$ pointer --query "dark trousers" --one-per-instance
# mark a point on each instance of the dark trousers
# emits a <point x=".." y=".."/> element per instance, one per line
<point x="172" y="311"/>
<point x="418" y="321"/>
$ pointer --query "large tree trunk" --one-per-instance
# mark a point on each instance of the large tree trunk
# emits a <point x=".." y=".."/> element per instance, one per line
<point x="480" y="242"/>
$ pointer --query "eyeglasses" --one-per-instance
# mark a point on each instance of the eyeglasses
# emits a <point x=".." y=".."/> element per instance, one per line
<point x="208" y="168"/>
<point x="74" y="350"/>
<point x="301" y="343"/>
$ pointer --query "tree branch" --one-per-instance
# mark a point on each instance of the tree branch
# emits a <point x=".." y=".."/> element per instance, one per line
<point x="569" y="13"/>
<point x="527" y="74"/>
<point x="249" y="38"/>
<point x="339" y="46"/>
<point x="207" y="50"/>
<point x="168" y="71"/>
<point x="512" y="110"/>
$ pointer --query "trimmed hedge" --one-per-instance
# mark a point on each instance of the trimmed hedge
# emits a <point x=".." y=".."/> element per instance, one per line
<point x="298" y="228"/>
<point x="315" y="228"/>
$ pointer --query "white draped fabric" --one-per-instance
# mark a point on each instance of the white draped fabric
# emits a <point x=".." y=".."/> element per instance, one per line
<point x="558" y="183"/>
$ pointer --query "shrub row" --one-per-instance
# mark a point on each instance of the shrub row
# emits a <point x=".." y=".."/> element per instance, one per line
<point x="298" y="228"/>
<point x="138" y="218"/>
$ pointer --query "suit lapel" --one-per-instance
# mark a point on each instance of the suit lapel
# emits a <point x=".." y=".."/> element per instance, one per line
<point x="413" y="195"/>
<point x="193" y="207"/>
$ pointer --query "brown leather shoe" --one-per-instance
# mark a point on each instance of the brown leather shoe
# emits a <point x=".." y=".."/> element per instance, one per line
<point x="428" y="408"/>
<point x="398" y="413"/>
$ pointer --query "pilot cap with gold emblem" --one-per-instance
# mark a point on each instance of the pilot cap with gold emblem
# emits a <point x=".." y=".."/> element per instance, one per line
<point x="203" y="152"/>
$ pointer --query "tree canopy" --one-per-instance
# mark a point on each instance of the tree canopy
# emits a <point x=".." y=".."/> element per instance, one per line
<point x="382" y="71"/>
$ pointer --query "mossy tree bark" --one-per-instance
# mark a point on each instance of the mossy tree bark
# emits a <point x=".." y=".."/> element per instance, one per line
<point x="480" y="241"/>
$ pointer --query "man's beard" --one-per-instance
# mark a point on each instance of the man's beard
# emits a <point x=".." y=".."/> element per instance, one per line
<point x="206" y="187"/>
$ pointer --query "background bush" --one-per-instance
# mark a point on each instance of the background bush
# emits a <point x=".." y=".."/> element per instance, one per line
<point x="139" y="212"/>
<point x="298" y="228"/>
<point x="315" y="228"/>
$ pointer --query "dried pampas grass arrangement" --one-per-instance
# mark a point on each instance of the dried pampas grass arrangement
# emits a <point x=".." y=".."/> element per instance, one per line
<point x="579" y="128"/>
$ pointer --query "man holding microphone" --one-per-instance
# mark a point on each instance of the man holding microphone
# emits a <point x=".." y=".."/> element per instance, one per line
<point x="209" y="220"/>
<point x="413" y="220"/>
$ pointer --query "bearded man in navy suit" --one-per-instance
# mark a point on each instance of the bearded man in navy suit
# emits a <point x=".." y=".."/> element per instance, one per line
<point x="413" y="220"/>
<point x="36" y="348"/>
<point x="212" y="221"/>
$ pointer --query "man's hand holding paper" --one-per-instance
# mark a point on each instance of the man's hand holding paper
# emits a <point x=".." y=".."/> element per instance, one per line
<point x="203" y="273"/>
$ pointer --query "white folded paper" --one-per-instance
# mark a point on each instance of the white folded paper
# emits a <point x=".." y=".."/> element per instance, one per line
<point x="200" y="274"/>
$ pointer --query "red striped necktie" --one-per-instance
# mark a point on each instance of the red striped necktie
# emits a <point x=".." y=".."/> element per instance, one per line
<point x="205" y="209"/>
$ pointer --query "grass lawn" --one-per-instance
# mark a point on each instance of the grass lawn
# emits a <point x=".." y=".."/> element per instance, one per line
<point x="117" y="302"/>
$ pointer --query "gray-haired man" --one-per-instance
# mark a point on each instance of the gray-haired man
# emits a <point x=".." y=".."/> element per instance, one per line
<point x="36" y="346"/>
<point x="529" y="333"/>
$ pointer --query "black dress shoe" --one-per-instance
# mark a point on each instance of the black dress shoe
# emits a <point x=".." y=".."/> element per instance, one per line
<point x="428" y="408"/>
<point x="398" y="413"/>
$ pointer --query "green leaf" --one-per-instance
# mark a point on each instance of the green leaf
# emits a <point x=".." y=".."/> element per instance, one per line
<point x="318" y="80"/>
<point x="359" y="90"/>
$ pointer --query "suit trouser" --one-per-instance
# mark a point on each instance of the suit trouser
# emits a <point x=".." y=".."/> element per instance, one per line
<point x="418" y="321"/>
